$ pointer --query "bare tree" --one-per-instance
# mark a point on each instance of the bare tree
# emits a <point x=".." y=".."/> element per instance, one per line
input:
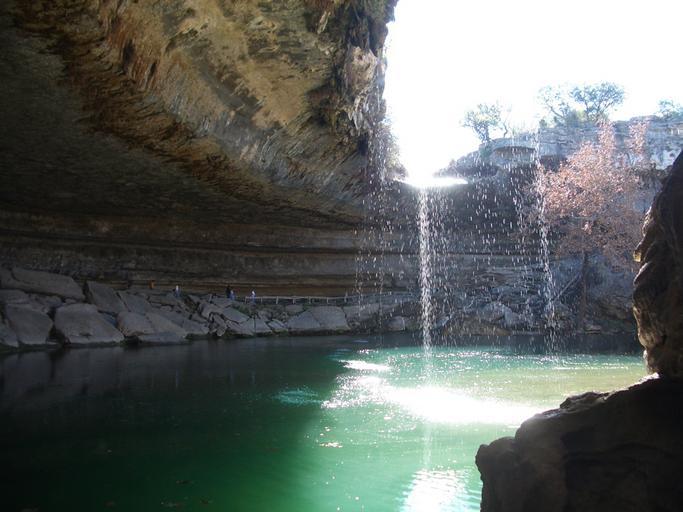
<point x="590" y="202"/>
<point x="557" y="101"/>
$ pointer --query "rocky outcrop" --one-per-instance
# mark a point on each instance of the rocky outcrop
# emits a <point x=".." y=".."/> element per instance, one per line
<point x="617" y="451"/>
<point x="658" y="294"/>
<point x="40" y="282"/>
<point x="598" y="452"/>
<point x="140" y="315"/>
<point x="82" y="324"/>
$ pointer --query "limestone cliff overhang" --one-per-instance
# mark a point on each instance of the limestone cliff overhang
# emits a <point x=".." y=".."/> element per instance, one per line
<point x="247" y="108"/>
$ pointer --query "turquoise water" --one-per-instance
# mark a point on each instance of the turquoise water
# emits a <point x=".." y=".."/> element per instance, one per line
<point x="282" y="425"/>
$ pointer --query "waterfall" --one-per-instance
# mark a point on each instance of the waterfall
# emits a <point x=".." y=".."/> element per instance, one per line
<point x="425" y="261"/>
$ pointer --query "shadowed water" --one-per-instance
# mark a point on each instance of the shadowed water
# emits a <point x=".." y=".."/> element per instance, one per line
<point x="302" y="424"/>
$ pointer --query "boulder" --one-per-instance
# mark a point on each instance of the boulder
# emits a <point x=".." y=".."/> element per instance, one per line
<point x="277" y="327"/>
<point x="361" y="313"/>
<point x="164" y="325"/>
<point x="294" y="309"/>
<point x="195" y="329"/>
<point x="598" y="452"/>
<point x="13" y="297"/>
<point x="514" y="321"/>
<point x="167" y="299"/>
<point x="173" y="316"/>
<point x="396" y="324"/>
<point x="104" y="297"/>
<point x="8" y="337"/>
<point x="133" y="324"/>
<point x="243" y="330"/>
<point x="260" y="327"/>
<point x="30" y="326"/>
<point x="206" y="309"/>
<point x="222" y="302"/>
<point x="135" y="303"/>
<point x="265" y="315"/>
<point x="493" y="312"/>
<point x="303" y="323"/>
<point x="331" y="318"/>
<point x="41" y="282"/>
<point x="83" y="324"/>
<point x="46" y="303"/>
<point x="234" y="316"/>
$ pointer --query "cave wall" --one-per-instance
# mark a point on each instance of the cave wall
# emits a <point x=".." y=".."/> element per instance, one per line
<point x="189" y="140"/>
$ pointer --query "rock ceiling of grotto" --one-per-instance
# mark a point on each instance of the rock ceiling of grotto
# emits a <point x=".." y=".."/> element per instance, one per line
<point x="213" y="110"/>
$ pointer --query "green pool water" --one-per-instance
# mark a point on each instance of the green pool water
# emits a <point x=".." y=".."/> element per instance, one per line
<point x="311" y="424"/>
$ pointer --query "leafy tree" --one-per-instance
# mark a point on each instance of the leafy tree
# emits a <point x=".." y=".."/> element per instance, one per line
<point x="482" y="120"/>
<point x="589" y="203"/>
<point x="598" y="99"/>
<point x="569" y="107"/>
<point x="670" y="110"/>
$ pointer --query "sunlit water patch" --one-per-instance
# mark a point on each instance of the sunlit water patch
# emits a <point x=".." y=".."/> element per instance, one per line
<point x="297" y="426"/>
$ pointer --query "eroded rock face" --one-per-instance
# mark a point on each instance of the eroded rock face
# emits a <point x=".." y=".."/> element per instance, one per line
<point x="598" y="452"/>
<point x="658" y="293"/>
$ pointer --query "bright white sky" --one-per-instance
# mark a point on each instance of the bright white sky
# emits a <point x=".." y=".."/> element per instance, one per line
<point x="446" y="56"/>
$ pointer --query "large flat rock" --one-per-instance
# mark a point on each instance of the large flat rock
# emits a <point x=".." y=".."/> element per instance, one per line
<point x="234" y="316"/>
<point x="104" y="297"/>
<point x="133" y="324"/>
<point x="30" y="326"/>
<point x="162" y="324"/>
<point x="82" y="324"/>
<point x="41" y="282"/>
<point x="13" y="297"/>
<point x="134" y="303"/>
<point x="331" y="318"/>
<point x="304" y="323"/>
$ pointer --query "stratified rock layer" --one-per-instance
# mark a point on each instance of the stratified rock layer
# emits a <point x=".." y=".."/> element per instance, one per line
<point x="205" y="141"/>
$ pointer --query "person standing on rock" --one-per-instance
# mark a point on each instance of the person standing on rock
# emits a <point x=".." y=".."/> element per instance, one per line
<point x="176" y="291"/>
<point x="253" y="297"/>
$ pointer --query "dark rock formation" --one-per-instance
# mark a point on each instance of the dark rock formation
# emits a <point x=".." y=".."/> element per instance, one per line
<point x="598" y="452"/>
<point x="658" y="294"/>
<point x="620" y="451"/>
